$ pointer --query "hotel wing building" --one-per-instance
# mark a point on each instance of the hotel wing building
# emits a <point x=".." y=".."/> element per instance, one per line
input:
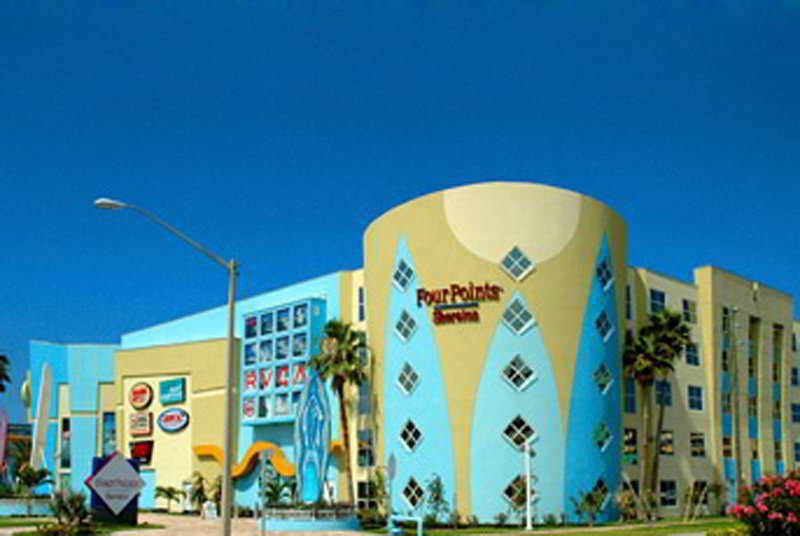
<point x="496" y="314"/>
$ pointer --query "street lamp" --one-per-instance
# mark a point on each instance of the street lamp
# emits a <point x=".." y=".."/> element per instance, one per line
<point x="230" y="266"/>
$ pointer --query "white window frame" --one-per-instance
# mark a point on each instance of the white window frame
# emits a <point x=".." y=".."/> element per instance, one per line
<point x="400" y="384"/>
<point x="605" y="389"/>
<point x="528" y="325"/>
<point x="689" y="397"/>
<point x="611" y="329"/>
<point x="534" y="493"/>
<point x="409" y="279"/>
<point x="532" y="439"/>
<point x="522" y="275"/>
<point x="413" y="329"/>
<point x="608" y="284"/>
<point x="402" y="441"/>
<point x="533" y="377"/>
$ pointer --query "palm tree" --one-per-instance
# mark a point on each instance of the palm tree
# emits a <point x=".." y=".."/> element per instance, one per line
<point x="170" y="493"/>
<point x="648" y="356"/>
<point x="341" y="361"/>
<point x="5" y="366"/>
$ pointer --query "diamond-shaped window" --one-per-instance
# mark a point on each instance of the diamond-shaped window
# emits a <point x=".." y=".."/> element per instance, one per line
<point x="603" y="325"/>
<point x="601" y="488"/>
<point x="408" y="379"/>
<point x="602" y="436"/>
<point x="604" y="274"/>
<point x="518" y="373"/>
<point x="411" y="436"/>
<point x="403" y="275"/>
<point x="405" y="326"/>
<point x="517" y="317"/>
<point x="602" y="377"/>
<point x="515" y="492"/>
<point x="516" y="264"/>
<point x="518" y="432"/>
<point x="413" y="493"/>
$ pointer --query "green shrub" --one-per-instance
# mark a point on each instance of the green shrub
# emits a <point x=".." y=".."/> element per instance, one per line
<point x="69" y="508"/>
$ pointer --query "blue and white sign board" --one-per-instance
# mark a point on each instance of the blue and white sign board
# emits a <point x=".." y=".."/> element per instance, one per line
<point x="172" y="391"/>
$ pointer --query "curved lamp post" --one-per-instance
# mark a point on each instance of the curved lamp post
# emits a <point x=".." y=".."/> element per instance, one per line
<point x="230" y="385"/>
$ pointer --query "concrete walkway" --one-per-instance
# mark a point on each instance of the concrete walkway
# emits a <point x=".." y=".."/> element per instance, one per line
<point x="176" y="525"/>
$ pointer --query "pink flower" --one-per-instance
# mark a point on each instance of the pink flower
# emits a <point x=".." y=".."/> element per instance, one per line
<point x="774" y="515"/>
<point x="791" y="518"/>
<point x="762" y="507"/>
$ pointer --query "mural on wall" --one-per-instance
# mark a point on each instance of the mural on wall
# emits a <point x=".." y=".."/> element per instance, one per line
<point x="312" y="437"/>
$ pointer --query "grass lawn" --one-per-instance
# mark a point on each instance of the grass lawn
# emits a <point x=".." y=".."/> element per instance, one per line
<point x="6" y="522"/>
<point x="662" y="528"/>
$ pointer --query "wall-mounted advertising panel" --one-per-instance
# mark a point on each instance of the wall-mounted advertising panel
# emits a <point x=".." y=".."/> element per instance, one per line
<point x="173" y="420"/>
<point x="140" y="395"/>
<point x="142" y="451"/>
<point x="141" y="424"/>
<point x="172" y="391"/>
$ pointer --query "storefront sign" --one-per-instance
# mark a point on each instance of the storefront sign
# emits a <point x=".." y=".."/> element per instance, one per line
<point x="172" y="391"/>
<point x="116" y="483"/>
<point x="140" y="395"/>
<point x="458" y="304"/>
<point x="141" y="424"/>
<point x="142" y="451"/>
<point x="173" y="420"/>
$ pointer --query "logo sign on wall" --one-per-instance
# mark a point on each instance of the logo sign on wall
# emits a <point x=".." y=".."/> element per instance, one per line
<point x="172" y="391"/>
<point x="141" y="424"/>
<point x="173" y="420"/>
<point x="116" y="483"/>
<point x="140" y="395"/>
<point x="142" y="451"/>
<point x="458" y="304"/>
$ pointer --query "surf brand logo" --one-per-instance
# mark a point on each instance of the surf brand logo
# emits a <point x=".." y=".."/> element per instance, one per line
<point x="458" y="304"/>
<point x="173" y="420"/>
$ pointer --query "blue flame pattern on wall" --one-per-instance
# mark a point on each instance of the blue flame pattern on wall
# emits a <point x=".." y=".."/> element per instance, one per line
<point x="503" y="395"/>
<point x="312" y="437"/>
<point x="595" y="419"/>
<point x="428" y="449"/>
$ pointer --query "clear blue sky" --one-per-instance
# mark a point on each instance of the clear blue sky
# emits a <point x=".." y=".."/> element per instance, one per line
<point x="275" y="131"/>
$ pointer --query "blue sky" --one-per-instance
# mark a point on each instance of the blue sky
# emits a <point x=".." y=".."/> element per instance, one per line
<point x="274" y="132"/>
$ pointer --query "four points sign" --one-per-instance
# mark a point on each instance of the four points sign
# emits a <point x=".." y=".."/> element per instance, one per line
<point x="116" y="483"/>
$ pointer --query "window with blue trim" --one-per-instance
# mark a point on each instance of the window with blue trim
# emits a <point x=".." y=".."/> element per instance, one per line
<point x="405" y="326"/>
<point x="603" y="325"/>
<point x="696" y="398"/>
<point x="795" y="412"/>
<point x="795" y="376"/>
<point x="691" y="355"/>
<point x="604" y="274"/>
<point x="797" y="452"/>
<point x="658" y="300"/>
<point x="516" y="264"/>
<point x="663" y="393"/>
<point x="403" y="275"/>
<point x="517" y="317"/>
<point x="630" y="395"/>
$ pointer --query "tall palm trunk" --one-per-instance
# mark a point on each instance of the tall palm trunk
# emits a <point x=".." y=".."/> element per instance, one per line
<point x="656" y="458"/>
<point x="345" y="440"/>
<point x="647" y="446"/>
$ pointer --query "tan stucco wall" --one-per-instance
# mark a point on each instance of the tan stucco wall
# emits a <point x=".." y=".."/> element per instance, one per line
<point x="460" y="235"/>
<point x="203" y="364"/>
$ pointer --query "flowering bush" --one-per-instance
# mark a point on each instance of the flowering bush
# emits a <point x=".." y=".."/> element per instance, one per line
<point x="770" y="506"/>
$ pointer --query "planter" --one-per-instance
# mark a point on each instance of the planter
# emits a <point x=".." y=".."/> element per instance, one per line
<point x="23" y="506"/>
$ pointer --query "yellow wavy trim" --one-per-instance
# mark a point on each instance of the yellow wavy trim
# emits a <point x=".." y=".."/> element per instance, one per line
<point x="277" y="457"/>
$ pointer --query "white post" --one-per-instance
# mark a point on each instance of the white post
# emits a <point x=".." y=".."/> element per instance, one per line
<point x="528" y="485"/>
